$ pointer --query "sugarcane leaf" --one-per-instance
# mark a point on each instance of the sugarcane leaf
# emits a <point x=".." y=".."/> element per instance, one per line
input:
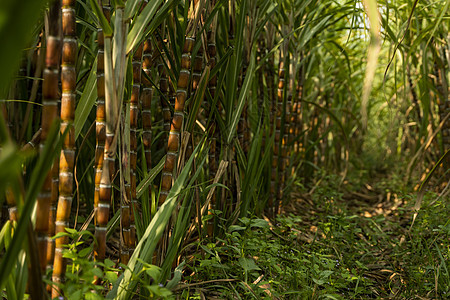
<point x="438" y="22"/>
<point x="182" y="223"/>
<point x="104" y="24"/>
<point x="125" y="285"/>
<point x="210" y="18"/>
<point x="10" y="164"/>
<point x="87" y="101"/>
<point x="92" y="16"/>
<point x="139" y="28"/>
<point x="131" y="8"/>
<point x="21" y="277"/>
<point x="10" y="289"/>
<point x="252" y="171"/>
<point x="198" y="99"/>
<point x="17" y="22"/>
<point x="162" y="14"/>
<point x="241" y="101"/>
<point x="143" y="185"/>
<point x="223" y="60"/>
<point x="5" y="234"/>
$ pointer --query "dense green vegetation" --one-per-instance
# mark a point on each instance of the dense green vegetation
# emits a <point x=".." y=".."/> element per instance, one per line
<point x="224" y="149"/>
<point x="332" y="245"/>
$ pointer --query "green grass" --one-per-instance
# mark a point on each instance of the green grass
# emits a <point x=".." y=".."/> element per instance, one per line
<point x="333" y="245"/>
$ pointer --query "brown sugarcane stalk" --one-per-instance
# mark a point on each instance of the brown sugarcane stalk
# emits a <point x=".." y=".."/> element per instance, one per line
<point x="197" y="69"/>
<point x="241" y="123"/>
<point x="164" y="89"/>
<point x="35" y="140"/>
<point x="269" y="73"/>
<point x="12" y="205"/>
<point x="171" y="96"/>
<point x="285" y="150"/>
<point x="49" y="114"/>
<point x="212" y="128"/>
<point x="52" y="216"/>
<point x="100" y="125"/>
<point x="196" y="75"/>
<point x="276" y="161"/>
<point x="129" y="206"/>
<point x="294" y="117"/>
<point x="298" y="112"/>
<point x="443" y="102"/>
<point x="111" y="116"/>
<point x="175" y="128"/>
<point x="147" y="96"/>
<point x="67" y="158"/>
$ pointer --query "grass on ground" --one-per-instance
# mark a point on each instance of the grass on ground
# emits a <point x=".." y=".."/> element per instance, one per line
<point x="352" y="242"/>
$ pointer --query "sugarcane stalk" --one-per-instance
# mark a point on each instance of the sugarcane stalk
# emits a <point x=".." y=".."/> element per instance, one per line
<point x="115" y="67"/>
<point x="298" y="101"/>
<point x="52" y="216"/>
<point x="127" y="213"/>
<point x="164" y="93"/>
<point x="196" y="76"/>
<point x="241" y="124"/>
<point x="211" y="50"/>
<point x="276" y="161"/>
<point x="105" y="187"/>
<point x="175" y="128"/>
<point x="100" y="126"/>
<point x="173" y="144"/>
<point x="12" y="205"/>
<point x="147" y="96"/>
<point x="443" y="102"/>
<point x="67" y="158"/>
<point x="50" y="95"/>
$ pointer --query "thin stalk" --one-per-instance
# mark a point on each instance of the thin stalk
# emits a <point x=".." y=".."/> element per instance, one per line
<point x="212" y="127"/>
<point x="147" y="96"/>
<point x="276" y="161"/>
<point x="164" y="95"/>
<point x="100" y="124"/>
<point x="298" y="101"/>
<point x="128" y="224"/>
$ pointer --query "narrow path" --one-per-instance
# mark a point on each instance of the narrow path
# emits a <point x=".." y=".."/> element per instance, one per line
<point x="368" y="233"/>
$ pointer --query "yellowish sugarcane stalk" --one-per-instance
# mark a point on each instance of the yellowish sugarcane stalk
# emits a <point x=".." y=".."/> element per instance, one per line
<point x="67" y="158"/>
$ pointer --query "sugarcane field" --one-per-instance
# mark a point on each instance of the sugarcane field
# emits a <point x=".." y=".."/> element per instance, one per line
<point x="223" y="149"/>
